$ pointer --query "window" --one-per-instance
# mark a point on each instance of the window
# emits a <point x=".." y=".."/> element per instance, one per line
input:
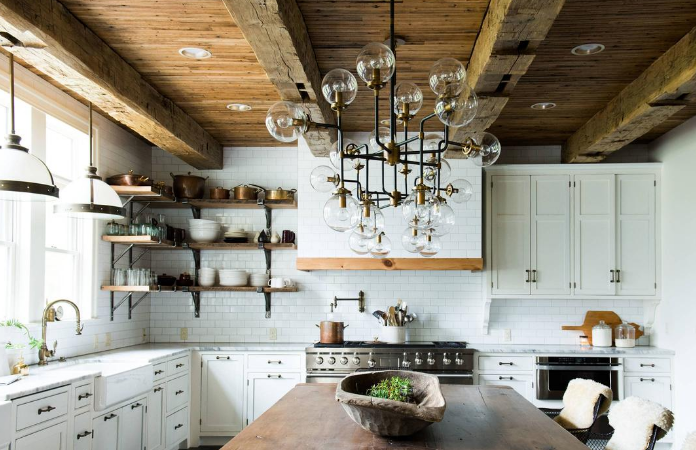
<point x="44" y="256"/>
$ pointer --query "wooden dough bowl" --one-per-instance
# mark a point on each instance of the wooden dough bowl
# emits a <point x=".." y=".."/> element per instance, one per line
<point x="388" y="417"/>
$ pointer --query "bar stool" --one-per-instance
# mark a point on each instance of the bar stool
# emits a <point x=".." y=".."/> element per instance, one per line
<point x="638" y="424"/>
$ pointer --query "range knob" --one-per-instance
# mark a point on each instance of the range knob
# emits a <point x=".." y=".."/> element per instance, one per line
<point x="457" y="360"/>
<point x="319" y="360"/>
<point x="431" y="360"/>
<point x="371" y="362"/>
<point x="332" y="360"/>
<point x="356" y="360"/>
<point x="344" y="360"/>
<point x="405" y="363"/>
<point x="445" y="360"/>
<point x="418" y="359"/>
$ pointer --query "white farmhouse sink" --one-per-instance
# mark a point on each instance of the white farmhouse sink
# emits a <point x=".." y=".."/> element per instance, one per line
<point x="118" y="381"/>
<point x="5" y="415"/>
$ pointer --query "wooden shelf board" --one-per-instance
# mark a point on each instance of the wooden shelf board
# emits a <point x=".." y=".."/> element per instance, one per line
<point x="240" y="246"/>
<point x="243" y="204"/>
<point x="195" y="289"/>
<point x="129" y="288"/>
<point x="390" y="264"/>
<point x="141" y="241"/>
<point x="144" y="194"/>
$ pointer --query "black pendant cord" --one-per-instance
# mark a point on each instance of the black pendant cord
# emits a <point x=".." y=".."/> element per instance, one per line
<point x="12" y="95"/>
<point x="91" y="148"/>
<point x="392" y="81"/>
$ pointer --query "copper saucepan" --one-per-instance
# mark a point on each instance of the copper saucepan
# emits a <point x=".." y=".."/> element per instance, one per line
<point x="247" y="192"/>
<point x="280" y="194"/>
<point x="128" y="179"/>
<point x="189" y="186"/>
<point x="331" y="332"/>
<point x="219" y="193"/>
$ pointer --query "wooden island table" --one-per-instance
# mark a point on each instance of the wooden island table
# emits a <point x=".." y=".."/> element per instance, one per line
<point x="477" y="418"/>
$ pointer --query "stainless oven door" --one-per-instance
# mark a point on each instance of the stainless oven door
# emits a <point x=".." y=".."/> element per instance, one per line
<point x="552" y="378"/>
<point x="462" y="379"/>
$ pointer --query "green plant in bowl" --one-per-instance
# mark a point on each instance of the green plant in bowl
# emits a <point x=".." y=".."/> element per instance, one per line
<point x="394" y="388"/>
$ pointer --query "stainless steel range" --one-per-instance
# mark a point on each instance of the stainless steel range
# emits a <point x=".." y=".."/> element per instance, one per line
<point x="452" y="362"/>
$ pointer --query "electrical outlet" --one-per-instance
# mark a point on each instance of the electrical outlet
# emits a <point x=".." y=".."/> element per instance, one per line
<point x="273" y="334"/>
<point x="507" y="335"/>
<point x="96" y="342"/>
<point x="144" y="334"/>
<point x="183" y="334"/>
<point x="107" y="340"/>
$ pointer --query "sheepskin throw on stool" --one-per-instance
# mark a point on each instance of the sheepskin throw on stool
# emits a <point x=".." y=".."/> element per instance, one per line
<point x="690" y="442"/>
<point x="579" y="402"/>
<point x="633" y="420"/>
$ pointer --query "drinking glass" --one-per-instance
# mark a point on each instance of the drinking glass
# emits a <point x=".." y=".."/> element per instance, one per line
<point x="133" y="277"/>
<point x="119" y="277"/>
<point x="112" y="229"/>
<point x="123" y="230"/>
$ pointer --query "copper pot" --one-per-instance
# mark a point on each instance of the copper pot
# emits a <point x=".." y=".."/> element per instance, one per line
<point x="331" y="332"/>
<point x="280" y="194"/>
<point x="188" y="186"/>
<point x="128" y="179"/>
<point x="219" y="193"/>
<point x="247" y="192"/>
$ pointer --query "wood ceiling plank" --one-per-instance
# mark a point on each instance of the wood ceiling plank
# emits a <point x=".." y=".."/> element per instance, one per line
<point x="503" y="53"/>
<point x="276" y="31"/>
<point x="643" y="104"/>
<point x="78" y="59"/>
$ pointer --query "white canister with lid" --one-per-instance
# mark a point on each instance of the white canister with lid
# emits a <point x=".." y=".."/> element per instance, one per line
<point x="601" y="335"/>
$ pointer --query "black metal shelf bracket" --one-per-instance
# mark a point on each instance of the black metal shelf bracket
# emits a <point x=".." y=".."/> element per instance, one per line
<point x="132" y="306"/>
<point x="196" y="298"/>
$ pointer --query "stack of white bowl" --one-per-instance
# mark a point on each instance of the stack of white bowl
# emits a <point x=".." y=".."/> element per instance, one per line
<point x="204" y="231"/>
<point x="206" y="277"/>
<point x="233" y="277"/>
<point x="258" y="279"/>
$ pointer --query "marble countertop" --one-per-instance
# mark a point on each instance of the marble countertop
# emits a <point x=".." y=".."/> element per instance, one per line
<point x="571" y="349"/>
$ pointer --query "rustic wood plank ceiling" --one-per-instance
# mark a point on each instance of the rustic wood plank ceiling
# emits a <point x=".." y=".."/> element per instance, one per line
<point x="635" y="34"/>
<point x="148" y="34"/>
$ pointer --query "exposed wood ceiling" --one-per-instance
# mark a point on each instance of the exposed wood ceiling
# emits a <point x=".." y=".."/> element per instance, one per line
<point x="635" y="33"/>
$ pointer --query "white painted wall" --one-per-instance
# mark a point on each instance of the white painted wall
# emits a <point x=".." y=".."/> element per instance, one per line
<point x="675" y="325"/>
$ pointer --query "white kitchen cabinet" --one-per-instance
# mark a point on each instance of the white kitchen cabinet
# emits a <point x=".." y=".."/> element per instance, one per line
<point x="522" y="384"/>
<point x="222" y="397"/>
<point x="657" y="389"/>
<point x="265" y="389"/>
<point x="155" y="415"/>
<point x="82" y="435"/>
<point x="511" y="245"/>
<point x="51" y="438"/>
<point x="105" y="429"/>
<point x="132" y="431"/>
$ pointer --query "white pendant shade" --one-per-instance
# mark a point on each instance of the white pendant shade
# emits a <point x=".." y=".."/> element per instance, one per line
<point x="90" y="198"/>
<point x="24" y="177"/>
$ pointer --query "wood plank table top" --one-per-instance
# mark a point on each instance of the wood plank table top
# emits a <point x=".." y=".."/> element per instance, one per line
<point x="477" y="418"/>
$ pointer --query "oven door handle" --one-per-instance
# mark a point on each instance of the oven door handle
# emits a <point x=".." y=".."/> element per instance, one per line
<point x="579" y="368"/>
<point x="452" y="375"/>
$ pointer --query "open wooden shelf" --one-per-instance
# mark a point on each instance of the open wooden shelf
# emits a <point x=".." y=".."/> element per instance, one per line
<point x="240" y="246"/>
<point x="390" y="264"/>
<point x="153" y="243"/>
<point x="243" y="204"/>
<point x="144" y="193"/>
<point x="141" y="241"/>
<point x="196" y="289"/>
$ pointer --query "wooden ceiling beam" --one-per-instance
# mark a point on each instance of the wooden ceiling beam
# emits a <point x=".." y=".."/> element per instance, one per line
<point x="505" y="48"/>
<point x="663" y="89"/>
<point x="56" y="43"/>
<point x="276" y="31"/>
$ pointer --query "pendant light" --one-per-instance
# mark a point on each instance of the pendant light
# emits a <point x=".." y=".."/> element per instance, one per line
<point x="90" y="197"/>
<point x="23" y="176"/>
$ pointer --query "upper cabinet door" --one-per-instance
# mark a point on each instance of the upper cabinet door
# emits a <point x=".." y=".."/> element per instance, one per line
<point x="550" y="234"/>
<point x="635" y="237"/>
<point x="222" y="385"/>
<point x="510" y="236"/>
<point x="595" y="207"/>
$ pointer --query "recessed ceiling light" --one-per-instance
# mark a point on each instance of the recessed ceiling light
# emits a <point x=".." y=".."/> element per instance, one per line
<point x="544" y="105"/>
<point x="239" y="107"/>
<point x="587" y="49"/>
<point x="195" y="53"/>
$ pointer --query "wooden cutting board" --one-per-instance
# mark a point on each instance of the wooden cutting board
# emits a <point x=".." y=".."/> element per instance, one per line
<point x="592" y="318"/>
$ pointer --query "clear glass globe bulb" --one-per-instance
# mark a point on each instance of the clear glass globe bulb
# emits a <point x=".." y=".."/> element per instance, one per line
<point x="369" y="226"/>
<point x="359" y="244"/>
<point x="459" y="110"/>
<point x="341" y="217"/>
<point x="408" y="94"/>
<point x="323" y="179"/>
<point x="384" y="137"/>
<point x="446" y="220"/>
<point x="375" y="56"/>
<point x="463" y="191"/>
<point x="349" y="165"/>
<point x="286" y="121"/>
<point x="413" y="240"/>
<point x="447" y="77"/>
<point x="339" y="80"/>
<point x="490" y="149"/>
<point x="423" y="216"/>
<point x="431" y="142"/>
<point x="430" y="173"/>
<point x="432" y="246"/>
<point x="380" y="246"/>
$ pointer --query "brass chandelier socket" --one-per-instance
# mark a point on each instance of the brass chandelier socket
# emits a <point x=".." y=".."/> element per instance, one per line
<point x="414" y="232"/>
<point x="469" y="146"/>
<point x="395" y="199"/>
<point x="405" y="170"/>
<point x="420" y="189"/>
<point x="338" y="105"/>
<point x="405" y="115"/>
<point x="366" y="204"/>
<point x="378" y="238"/>
<point x="342" y="193"/>
<point x="376" y="83"/>
<point x="336" y="179"/>
<point x="449" y="190"/>
<point x="392" y="156"/>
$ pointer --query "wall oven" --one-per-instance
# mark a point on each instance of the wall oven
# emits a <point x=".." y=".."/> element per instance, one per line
<point x="554" y="373"/>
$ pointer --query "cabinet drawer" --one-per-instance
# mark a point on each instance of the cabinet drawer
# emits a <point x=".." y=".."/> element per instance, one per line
<point x="177" y="393"/>
<point x="648" y="365"/>
<point x="176" y="428"/>
<point x="523" y="384"/>
<point x="82" y="436"/>
<point x="275" y="361"/>
<point x="43" y="409"/>
<point x="159" y="371"/>
<point x="505" y="363"/>
<point x="176" y="366"/>
<point x="83" y="395"/>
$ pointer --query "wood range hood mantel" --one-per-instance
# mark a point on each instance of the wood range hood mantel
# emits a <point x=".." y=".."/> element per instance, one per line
<point x="307" y="264"/>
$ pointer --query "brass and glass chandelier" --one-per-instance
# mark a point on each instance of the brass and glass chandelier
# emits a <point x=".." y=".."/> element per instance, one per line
<point x="423" y="199"/>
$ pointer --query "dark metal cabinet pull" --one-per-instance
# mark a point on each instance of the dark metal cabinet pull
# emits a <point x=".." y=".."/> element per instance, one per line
<point x="505" y="378"/>
<point x="137" y="405"/>
<point x="109" y="417"/>
<point x="178" y="366"/>
<point x="647" y="365"/>
<point x="613" y="276"/>
<point x="178" y="392"/>
<point x="158" y="389"/>
<point x="506" y="364"/>
<point x="529" y="274"/>
<point x="274" y="376"/>
<point x="270" y="361"/>
<point x="46" y="409"/>
<point x="176" y="427"/>
<point x="222" y="357"/>
<point x="84" y="396"/>
<point x="534" y="276"/>
<point x="647" y="379"/>
<point x="159" y="372"/>
<point x="618" y="276"/>
<point x="85" y="434"/>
